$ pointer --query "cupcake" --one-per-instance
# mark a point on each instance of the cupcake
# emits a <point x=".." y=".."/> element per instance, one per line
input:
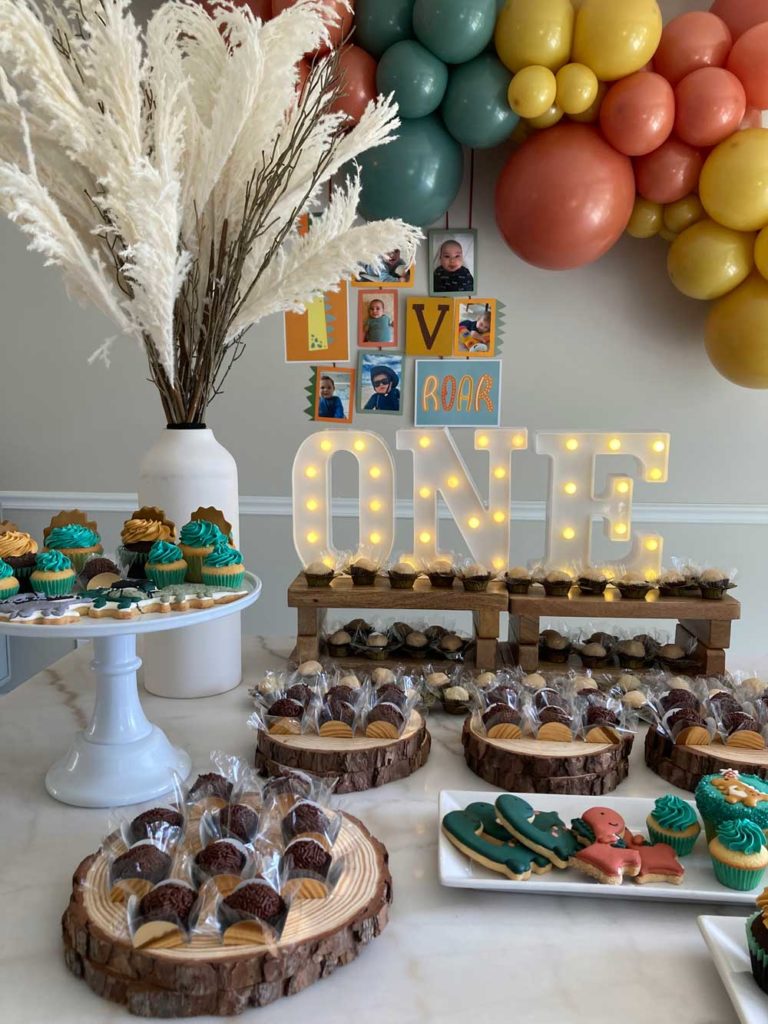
<point x="18" y="549"/>
<point x="592" y="582"/>
<point x="223" y="567"/>
<point x="731" y="796"/>
<point x="557" y="583"/>
<point x="53" y="574"/>
<point x="441" y="573"/>
<point x="318" y="574"/>
<point x="475" y="578"/>
<point x="739" y="855"/>
<point x="72" y="535"/>
<point x="9" y="585"/>
<point x="757" y="941"/>
<point x="165" y="565"/>
<point x="402" y="576"/>
<point x="363" y="572"/>
<point x="146" y="525"/>
<point x="714" y="583"/>
<point x="197" y="540"/>
<point x="673" y="821"/>
<point x="633" y="586"/>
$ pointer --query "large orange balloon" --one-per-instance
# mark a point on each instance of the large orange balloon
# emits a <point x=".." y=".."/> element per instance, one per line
<point x="737" y="334"/>
<point x="697" y="39"/>
<point x="669" y="173"/>
<point x="564" y="198"/>
<point x="710" y="106"/>
<point x="358" y="70"/>
<point x="339" y="29"/>
<point x="638" y="113"/>
<point x="749" y="62"/>
<point x="740" y="15"/>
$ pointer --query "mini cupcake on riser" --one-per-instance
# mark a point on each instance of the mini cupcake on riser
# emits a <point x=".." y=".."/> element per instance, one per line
<point x="74" y="536"/>
<point x="53" y="574"/>
<point x="223" y="567"/>
<point x="165" y="565"/>
<point x="9" y="585"/>
<point x="18" y="549"/>
<point x="146" y="526"/>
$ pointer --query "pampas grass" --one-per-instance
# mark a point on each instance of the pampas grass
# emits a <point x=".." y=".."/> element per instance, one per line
<point x="166" y="172"/>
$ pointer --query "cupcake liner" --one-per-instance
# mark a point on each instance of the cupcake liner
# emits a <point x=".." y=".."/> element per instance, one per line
<point x="741" y="879"/>
<point x="558" y="589"/>
<point x="518" y="586"/>
<point x="441" y="581"/>
<point x="316" y="580"/>
<point x="363" y="577"/>
<point x="757" y="955"/>
<point x="476" y="584"/>
<point x="163" y="577"/>
<point x="593" y="589"/>
<point x="401" y="582"/>
<point x="56" y="587"/>
<point x="22" y="574"/>
<point x="194" y="566"/>
<point x="682" y="845"/>
<point x="8" y="591"/>
<point x="213" y="578"/>
<point x="133" y="562"/>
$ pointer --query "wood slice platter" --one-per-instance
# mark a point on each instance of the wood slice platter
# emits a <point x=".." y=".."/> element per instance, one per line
<point x="208" y="978"/>
<point x="358" y="763"/>
<point x="684" y="766"/>
<point x="535" y="766"/>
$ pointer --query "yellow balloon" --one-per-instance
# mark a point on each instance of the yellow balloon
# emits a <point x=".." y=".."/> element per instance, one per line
<point x="734" y="182"/>
<point x="682" y="214"/>
<point x="532" y="91"/>
<point x="737" y="334"/>
<point x="577" y="87"/>
<point x="616" y="37"/>
<point x="761" y="252"/>
<point x="534" y="32"/>
<point x="707" y="261"/>
<point x="548" y="118"/>
<point x="646" y="220"/>
<point x="592" y="112"/>
<point x="667" y="235"/>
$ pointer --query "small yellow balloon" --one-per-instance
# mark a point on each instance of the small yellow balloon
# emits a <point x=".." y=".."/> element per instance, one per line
<point x="734" y="182"/>
<point x="707" y="261"/>
<point x="532" y="91"/>
<point x="667" y="235"/>
<point x="646" y="220"/>
<point x="577" y="87"/>
<point x="682" y="214"/>
<point x="547" y="119"/>
<point x="534" y="32"/>
<point x="592" y="112"/>
<point x="737" y="334"/>
<point x="761" y="252"/>
<point x="616" y="37"/>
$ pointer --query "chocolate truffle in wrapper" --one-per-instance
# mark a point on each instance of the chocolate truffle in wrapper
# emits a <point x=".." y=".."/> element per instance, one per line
<point x="306" y="818"/>
<point x="156" y="822"/>
<point x="299" y="692"/>
<point x="239" y="820"/>
<point x="286" y="707"/>
<point x="256" y="899"/>
<point x="211" y="784"/>
<point x="145" y="861"/>
<point x="168" y="901"/>
<point x="307" y="855"/>
<point x="221" y="857"/>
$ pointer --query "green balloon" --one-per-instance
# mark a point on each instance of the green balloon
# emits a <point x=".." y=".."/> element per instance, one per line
<point x="454" y="30"/>
<point x="416" y="77"/>
<point x="475" y="109"/>
<point x="381" y="23"/>
<point x="416" y="177"/>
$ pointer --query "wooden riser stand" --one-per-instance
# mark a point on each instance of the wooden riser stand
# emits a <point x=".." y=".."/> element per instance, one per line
<point x="707" y="623"/>
<point x="312" y="603"/>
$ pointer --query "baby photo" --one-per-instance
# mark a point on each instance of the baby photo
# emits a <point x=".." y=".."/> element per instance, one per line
<point x="380" y="378"/>
<point x="377" y="319"/>
<point x="393" y="271"/>
<point x="452" y="261"/>
<point x="475" y="328"/>
<point x="334" y="390"/>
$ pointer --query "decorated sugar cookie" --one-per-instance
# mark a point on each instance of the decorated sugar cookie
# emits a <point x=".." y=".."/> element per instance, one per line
<point x="466" y="830"/>
<point x="554" y="841"/>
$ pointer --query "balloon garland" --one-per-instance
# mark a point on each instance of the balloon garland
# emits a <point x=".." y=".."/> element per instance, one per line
<point x="621" y="124"/>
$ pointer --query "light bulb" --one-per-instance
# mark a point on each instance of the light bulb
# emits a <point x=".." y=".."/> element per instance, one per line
<point x="569" y="533"/>
<point x="651" y="545"/>
<point x="453" y="481"/>
<point x="375" y="505"/>
<point x="499" y="517"/>
<point x="620" y="529"/>
<point x="658" y="446"/>
<point x="328" y="561"/>
<point x="499" y="472"/>
<point x="310" y="472"/>
<point x="375" y="538"/>
<point x="359" y="445"/>
<point x="374" y="472"/>
<point x="326" y="445"/>
<point x="312" y="505"/>
<point x="655" y="474"/>
<point x="424" y="442"/>
<point x="518" y="441"/>
<point x="313" y="537"/>
<point x="425" y="537"/>
<point x="473" y="522"/>
<point x="571" y="444"/>
<point x="424" y="492"/>
<point x="614" y="444"/>
<point x="622" y="487"/>
<point x="483" y="441"/>
<point x="498" y="563"/>
<point x="570" y="488"/>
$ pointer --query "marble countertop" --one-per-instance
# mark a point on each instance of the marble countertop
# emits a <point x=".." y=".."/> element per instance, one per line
<point x="448" y="955"/>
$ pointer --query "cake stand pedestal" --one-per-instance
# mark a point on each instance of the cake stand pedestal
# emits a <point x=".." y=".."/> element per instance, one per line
<point x="121" y="757"/>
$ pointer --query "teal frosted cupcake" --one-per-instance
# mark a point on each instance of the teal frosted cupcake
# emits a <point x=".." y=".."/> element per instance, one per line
<point x="53" y="574"/>
<point x="223" y="567"/>
<point x="75" y="540"/>
<point x="731" y="796"/>
<point x="165" y="566"/>
<point x="739" y="855"/>
<point x="9" y="585"/>
<point x="197" y="540"/>
<point x="673" y="821"/>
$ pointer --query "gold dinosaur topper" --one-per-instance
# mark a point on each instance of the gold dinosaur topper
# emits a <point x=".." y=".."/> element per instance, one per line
<point x="215" y="516"/>
<point x="72" y="517"/>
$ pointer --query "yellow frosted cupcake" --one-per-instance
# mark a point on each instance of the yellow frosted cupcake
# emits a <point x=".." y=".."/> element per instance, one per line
<point x="146" y="526"/>
<point x="223" y="567"/>
<point x="53" y="575"/>
<point x="18" y="549"/>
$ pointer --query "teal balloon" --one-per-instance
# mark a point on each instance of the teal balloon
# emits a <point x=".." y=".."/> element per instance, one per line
<point x="454" y="30"/>
<point x="380" y="24"/>
<point x="416" y="177"/>
<point x="416" y="77"/>
<point x="475" y="109"/>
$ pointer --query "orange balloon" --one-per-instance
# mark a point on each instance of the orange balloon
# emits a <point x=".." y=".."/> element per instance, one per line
<point x="669" y="173"/>
<point x="697" y="39"/>
<point x="358" y="71"/>
<point x="564" y="198"/>
<point x="749" y="62"/>
<point x="338" y="30"/>
<point x="638" y="113"/>
<point x="740" y="15"/>
<point x="711" y="104"/>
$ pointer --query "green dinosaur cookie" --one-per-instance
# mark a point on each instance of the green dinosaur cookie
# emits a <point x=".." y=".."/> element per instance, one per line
<point x="516" y="862"/>
<point x="555" y="841"/>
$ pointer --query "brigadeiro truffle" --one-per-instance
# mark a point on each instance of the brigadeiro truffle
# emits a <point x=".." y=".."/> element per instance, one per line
<point x="145" y="861"/>
<point x="631" y="654"/>
<point x="450" y="643"/>
<point x="239" y="820"/>
<point x="387" y="712"/>
<point x="633" y="586"/>
<point x="593" y="655"/>
<point x="679" y="698"/>
<point x="336" y="710"/>
<point x="363" y="572"/>
<point x="441" y="573"/>
<point x="299" y="692"/>
<point x="557" y="583"/>
<point x="738" y="721"/>
<point x="714" y="583"/>
<point x="392" y="694"/>
<point x="168" y="901"/>
<point x="222" y="857"/>
<point x="318" y="574"/>
<point x="307" y="855"/>
<point x="210" y="784"/>
<point x="402" y="576"/>
<point x="671" y="652"/>
<point x="286" y="708"/>
<point x="305" y="817"/>
<point x="344" y="693"/>
<point x="592" y="581"/>
<point x="552" y="713"/>
<point x="157" y="821"/>
<point x="434" y="633"/>
<point x="597" y="715"/>
<point x="255" y="899"/>
<point x="380" y="676"/>
<point x="97" y="566"/>
<point x="555" y="648"/>
<point x="500" y="714"/>
<point x="546" y="696"/>
<point x="338" y="643"/>
<point x="416" y="641"/>
<point x="683" y="717"/>
<point x="377" y="645"/>
<point x="501" y="695"/>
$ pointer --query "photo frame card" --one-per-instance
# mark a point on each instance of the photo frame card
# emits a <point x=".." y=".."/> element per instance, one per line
<point x="320" y="332"/>
<point x="332" y="394"/>
<point x="429" y="326"/>
<point x="475" y="324"/>
<point x="377" y="318"/>
<point x="393" y="273"/>
<point x="380" y="382"/>
<point x="452" y="266"/>
<point x="457" y="393"/>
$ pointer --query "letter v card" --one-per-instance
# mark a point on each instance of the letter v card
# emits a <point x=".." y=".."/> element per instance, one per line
<point x="457" y="393"/>
<point x="429" y="327"/>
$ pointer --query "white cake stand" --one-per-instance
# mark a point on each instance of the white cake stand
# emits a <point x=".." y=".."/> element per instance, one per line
<point x="121" y="757"/>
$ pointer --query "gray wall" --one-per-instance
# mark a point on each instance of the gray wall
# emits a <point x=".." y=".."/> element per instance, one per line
<point x="612" y="346"/>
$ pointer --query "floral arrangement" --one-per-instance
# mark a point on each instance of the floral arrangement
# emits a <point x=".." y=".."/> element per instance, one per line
<point x="166" y="171"/>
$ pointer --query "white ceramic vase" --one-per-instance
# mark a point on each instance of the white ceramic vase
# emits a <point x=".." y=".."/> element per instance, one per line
<point x="184" y="469"/>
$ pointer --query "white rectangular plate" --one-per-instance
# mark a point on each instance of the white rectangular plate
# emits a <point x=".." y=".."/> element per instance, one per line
<point x="727" y="943"/>
<point x="698" y="886"/>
